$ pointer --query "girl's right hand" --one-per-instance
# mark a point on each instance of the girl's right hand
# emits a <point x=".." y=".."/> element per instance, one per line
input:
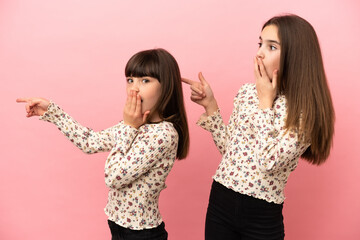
<point x="202" y="94"/>
<point x="34" y="106"/>
<point x="133" y="112"/>
<point x="265" y="86"/>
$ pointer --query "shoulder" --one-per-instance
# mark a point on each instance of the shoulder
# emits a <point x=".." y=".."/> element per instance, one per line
<point x="246" y="91"/>
<point x="121" y="126"/>
<point x="163" y="129"/>
<point x="247" y="88"/>
<point x="166" y="127"/>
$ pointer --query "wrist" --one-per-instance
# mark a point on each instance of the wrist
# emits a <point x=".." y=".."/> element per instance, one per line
<point x="265" y="104"/>
<point x="129" y="122"/>
<point x="131" y="125"/>
<point x="211" y="107"/>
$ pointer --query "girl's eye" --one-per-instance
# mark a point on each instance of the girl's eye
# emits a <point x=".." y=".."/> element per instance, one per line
<point x="260" y="44"/>
<point x="145" y="81"/>
<point x="273" y="48"/>
<point x="129" y="80"/>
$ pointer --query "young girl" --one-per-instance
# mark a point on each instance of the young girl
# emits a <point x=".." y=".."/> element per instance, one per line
<point x="143" y="147"/>
<point x="287" y="114"/>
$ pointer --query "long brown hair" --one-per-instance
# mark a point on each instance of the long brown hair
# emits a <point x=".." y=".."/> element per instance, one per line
<point x="160" y="64"/>
<point x="303" y="82"/>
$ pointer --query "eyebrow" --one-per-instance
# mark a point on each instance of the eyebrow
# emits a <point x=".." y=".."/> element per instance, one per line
<point x="270" y="41"/>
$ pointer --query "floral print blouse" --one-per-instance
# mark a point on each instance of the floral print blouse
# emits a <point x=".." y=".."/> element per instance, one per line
<point x="136" y="168"/>
<point x="258" y="153"/>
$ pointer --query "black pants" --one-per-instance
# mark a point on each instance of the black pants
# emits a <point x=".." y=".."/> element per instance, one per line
<point x="120" y="233"/>
<point x="232" y="215"/>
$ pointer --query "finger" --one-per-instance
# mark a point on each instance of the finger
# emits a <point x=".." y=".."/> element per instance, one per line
<point x="128" y="102"/>
<point x="274" y="78"/>
<point x="21" y="100"/>
<point x="262" y="68"/>
<point x="193" y="93"/>
<point x="28" y="108"/>
<point x="187" y="81"/>
<point x="146" y="114"/>
<point x="256" y="68"/>
<point x="197" y="95"/>
<point x="196" y="98"/>
<point x="133" y="102"/>
<point x="196" y="90"/>
<point x="30" y="113"/>
<point x="202" y="79"/>
<point x="138" y="105"/>
<point x="30" y="101"/>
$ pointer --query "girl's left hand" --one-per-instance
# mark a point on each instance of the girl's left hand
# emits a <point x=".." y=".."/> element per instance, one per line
<point x="266" y="87"/>
<point x="132" y="112"/>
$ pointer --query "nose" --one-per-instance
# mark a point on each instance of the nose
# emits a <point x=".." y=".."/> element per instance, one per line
<point x="135" y="86"/>
<point x="260" y="54"/>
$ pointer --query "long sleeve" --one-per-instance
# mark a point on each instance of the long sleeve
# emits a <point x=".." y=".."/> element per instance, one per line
<point x="133" y="155"/>
<point x="275" y="148"/>
<point x="82" y="137"/>
<point x="136" y="167"/>
<point x="259" y="153"/>
<point x="220" y="132"/>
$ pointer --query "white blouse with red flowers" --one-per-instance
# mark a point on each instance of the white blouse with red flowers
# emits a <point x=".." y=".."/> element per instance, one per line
<point x="258" y="153"/>
<point x="136" y="168"/>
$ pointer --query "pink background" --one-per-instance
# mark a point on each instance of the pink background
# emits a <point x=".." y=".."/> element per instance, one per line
<point x="75" y="51"/>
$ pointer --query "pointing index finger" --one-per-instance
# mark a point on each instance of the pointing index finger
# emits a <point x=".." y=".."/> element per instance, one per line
<point x="187" y="81"/>
<point x="202" y="79"/>
<point x="19" y="100"/>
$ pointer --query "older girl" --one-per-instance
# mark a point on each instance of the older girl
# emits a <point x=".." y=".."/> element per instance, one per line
<point x="287" y="114"/>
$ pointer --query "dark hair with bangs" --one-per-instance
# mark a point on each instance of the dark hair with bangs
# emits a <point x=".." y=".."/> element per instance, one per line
<point x="160" y="64"/>
<point x="303" y="82"/>
<point x="144" y="63"/>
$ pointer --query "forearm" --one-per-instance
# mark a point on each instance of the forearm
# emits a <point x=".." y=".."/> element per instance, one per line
<point x="275" y="148"/>
<point x="82" y="137"/>
<point x="127" y="163"/>
<point x="216" y="126"/>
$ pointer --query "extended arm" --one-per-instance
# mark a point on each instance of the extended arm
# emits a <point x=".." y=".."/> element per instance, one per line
<point x="84" y="138"/>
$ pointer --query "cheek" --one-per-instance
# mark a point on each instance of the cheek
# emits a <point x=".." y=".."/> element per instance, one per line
<point x="273" y="64"/>
<point x="127" y="89"/>
<point x="148" y="100"/>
